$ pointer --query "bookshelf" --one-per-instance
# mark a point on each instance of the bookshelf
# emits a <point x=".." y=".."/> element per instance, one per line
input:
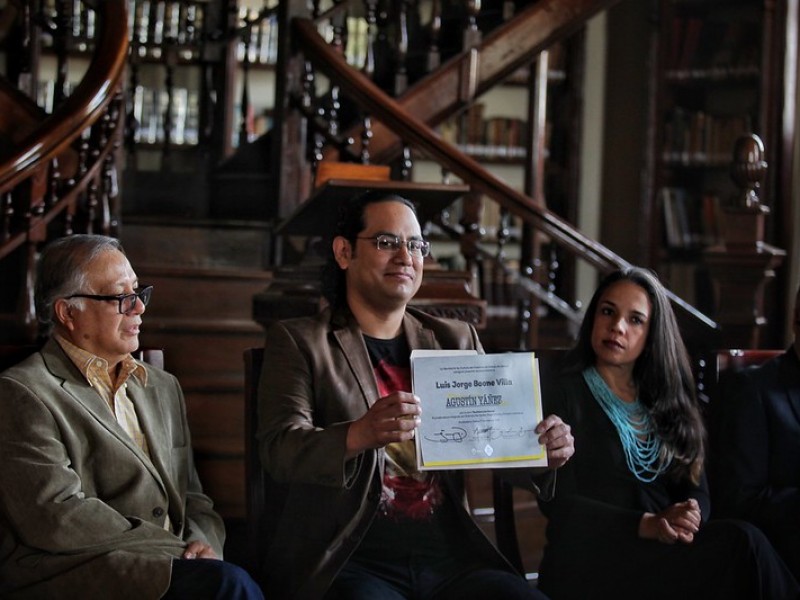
<point x="718" y="75"/>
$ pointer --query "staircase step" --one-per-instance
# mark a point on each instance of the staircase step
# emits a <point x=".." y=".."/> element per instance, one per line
<point x="205" y="275"/>
<point x="195" y="243"/>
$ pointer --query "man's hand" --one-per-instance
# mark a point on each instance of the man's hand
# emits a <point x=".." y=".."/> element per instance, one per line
<point x="557" y="437"/>
<point x="197" y="549"/>
<point x="676" y="523"/>
<point x="393" y="418"/>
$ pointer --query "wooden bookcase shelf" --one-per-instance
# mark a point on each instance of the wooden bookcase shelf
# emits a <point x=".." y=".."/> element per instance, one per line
<point x="718" y="75"/>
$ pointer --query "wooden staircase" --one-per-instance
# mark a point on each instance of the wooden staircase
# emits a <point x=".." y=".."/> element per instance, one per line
<point x="205" y="275"/>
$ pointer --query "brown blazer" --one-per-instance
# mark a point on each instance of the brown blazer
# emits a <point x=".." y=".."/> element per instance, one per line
<point x="81" y="507"/>
<point x="316" y="379"/>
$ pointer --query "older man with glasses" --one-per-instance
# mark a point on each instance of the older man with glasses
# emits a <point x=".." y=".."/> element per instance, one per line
<point x="336" y="424"/>
<point x="99" y="496"/>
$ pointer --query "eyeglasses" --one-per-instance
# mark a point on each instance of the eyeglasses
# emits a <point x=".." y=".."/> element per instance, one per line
<point x="127" y="302"/>
<point x="392" y="243"/>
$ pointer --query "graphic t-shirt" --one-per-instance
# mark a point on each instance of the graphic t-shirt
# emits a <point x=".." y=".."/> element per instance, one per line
<point x="413" y="514"/>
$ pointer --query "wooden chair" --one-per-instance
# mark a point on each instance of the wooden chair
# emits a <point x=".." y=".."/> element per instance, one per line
<point x="255" y="478"/>
<point x="264" y="497"/>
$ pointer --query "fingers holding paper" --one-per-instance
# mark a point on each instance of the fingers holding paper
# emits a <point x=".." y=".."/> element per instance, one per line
<point x="556" y="436"/>
<point x="393" y="418"/>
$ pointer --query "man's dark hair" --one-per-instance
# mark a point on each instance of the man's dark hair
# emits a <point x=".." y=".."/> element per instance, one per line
<point x="349" y="225"/>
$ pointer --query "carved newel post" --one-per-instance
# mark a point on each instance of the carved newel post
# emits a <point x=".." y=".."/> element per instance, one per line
<point x="743" y="264"/>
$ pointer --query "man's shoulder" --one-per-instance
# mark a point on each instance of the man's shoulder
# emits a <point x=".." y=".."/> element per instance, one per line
<point x="436" y="322"/>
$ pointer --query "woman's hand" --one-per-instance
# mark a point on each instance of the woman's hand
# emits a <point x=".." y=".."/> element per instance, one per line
<point x="676" y="523"/>
<point x="557" y="437"/>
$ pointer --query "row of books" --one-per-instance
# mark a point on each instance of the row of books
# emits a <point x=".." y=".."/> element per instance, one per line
<point x="259" y="42"/>
<point x="151" y="108"/>
<point x="46" y="92"/>
<point x="152" y="23"/>
<point x="702" y="47"/>
<point x="82" y="23"/>
<point x="493" y="137"/>
<point x="697" y="137"/>
<point x="356" y="36"/>
<point x="691" y="221"/>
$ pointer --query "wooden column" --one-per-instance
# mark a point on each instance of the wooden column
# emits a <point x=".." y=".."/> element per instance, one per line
<point x="743" y="264"/>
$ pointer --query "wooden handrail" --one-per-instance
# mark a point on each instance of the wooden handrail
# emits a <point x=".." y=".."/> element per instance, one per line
<point x="83" y="107"/>
<point x="416" y="132"/>
<point x="466" y="76"/>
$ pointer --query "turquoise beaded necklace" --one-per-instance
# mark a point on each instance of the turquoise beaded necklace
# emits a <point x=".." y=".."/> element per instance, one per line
<point x="640" y="443"/>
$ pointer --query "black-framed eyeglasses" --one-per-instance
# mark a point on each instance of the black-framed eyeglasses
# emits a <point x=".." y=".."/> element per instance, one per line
<point x="127" y="302"/>
<point x="392" y="243"/>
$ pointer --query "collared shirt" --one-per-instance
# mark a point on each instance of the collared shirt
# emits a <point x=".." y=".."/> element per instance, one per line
<point x="95" y="370"/>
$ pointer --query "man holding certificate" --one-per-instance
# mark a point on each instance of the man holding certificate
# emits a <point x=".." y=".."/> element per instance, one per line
<point x="337" y="423"/>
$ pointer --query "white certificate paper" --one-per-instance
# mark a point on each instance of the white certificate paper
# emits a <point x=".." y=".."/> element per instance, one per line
<point x="478" y="410"/>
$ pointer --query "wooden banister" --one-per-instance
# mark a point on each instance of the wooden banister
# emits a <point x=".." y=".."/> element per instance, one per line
<point x="84" y="107"/>
<point x="417" y="133"/>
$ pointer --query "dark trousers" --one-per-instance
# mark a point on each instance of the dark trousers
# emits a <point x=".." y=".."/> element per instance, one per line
<point x="423" y="578"/>
<point x="206" y="579"/>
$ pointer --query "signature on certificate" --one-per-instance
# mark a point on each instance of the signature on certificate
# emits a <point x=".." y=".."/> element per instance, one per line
<point x="459" y="434"/>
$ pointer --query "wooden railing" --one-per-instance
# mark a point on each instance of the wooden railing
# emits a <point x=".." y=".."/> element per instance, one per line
<point x="61" y="177"/>
<point x="409" y="119"/>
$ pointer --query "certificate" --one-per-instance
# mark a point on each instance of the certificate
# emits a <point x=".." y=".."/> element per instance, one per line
<point x="478" y="410"/>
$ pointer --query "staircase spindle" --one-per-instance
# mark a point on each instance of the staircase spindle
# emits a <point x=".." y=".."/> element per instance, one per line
<point x="434" y="58"/>
<point x="53" y="184"/>
<point x="171" y="58"/>
<point x="91" y="206"/>
<point x="406" y="164"/>
<point x="366" y="138"/>
<point x="61" y="35"/>
<point x="7" y="215"/>
<point x="371" y="7"/>
<point x="472" y="35"/>
<point x="244" y="102"/>
<point x="401" y="49"/>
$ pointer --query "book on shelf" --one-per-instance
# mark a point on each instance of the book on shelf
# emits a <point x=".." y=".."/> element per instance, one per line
<point x="151" y="107"/>
<point x="691" y="221"/>
<point x="712" y="48"/>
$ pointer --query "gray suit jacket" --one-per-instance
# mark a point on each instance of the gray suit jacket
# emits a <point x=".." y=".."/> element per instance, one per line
<point x="316" y="379"/>
<point x="81" y="507"/>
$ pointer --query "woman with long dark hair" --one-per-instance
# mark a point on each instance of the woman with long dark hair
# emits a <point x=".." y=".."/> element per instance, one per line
<point x="630" y="515"/>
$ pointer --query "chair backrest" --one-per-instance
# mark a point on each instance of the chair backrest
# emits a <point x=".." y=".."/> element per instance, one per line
<point x="255" y="480"/>
<point x="739" y="359"/>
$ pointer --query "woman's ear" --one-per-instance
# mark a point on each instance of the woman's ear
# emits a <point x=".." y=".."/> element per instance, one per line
<point x="342" y="252"/>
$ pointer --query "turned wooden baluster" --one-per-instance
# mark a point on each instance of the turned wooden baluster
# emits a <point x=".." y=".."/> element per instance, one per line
<point x="61" y="37"/>
<point x="53" y="184"/>
<point x="26" y="310"/>
<point x="500" y="277"/>
<point x="434" y="57"/>
<point x="406" y="164"/>
<point x="92" y="202"/>
<point x="170" y="60"/>
<point x="366" y="138"/>
<point x="401" y="49"/>
<point x="307" y="103"/>
<point x="7" y="215"/>
<point x="371" y="7"/>
<point x="472" y="35"/>
<point x="244" y="134"/>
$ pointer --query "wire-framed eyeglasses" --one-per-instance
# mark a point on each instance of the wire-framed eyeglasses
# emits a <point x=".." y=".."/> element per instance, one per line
<point x="126" y="302"/>
<point x="392" y="243"/>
